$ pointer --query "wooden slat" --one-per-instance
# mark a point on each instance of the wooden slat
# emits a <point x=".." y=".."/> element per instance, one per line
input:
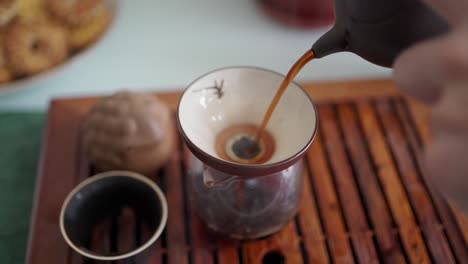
<point x="337" y="92"/>
<point x="329" y="207"/>
<point x="54" y="182"/>
<point x="228" y="252"/>
<point x="309" y="222"/>
<point x="286" y="242"/>
<point x="176" y="239"/>
<point x="100" y="240"/>
<point x="462" y="221"/>
<point x="82" y="172"/>
<point x="199" y="233"/>
<point x="399" y="204"/>
<point x="202" y="248"/>
<point x="438" y="246"/>
<point x="374" y="200"/>
<point x="126" y="231"/>
<point x="453" y="233"/>
<point x="155" y="256"/>
<point x="420" y="117"/>
<point x="361" y="236"/>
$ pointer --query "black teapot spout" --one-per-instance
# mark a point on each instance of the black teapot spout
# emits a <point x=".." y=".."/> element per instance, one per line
<point x="379" y="30"/>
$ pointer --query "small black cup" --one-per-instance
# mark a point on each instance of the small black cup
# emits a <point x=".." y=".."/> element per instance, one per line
<point x="103" y="196"/>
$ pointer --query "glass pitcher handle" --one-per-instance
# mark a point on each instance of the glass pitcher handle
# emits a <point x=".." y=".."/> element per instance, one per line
<point x="215" y="178"/>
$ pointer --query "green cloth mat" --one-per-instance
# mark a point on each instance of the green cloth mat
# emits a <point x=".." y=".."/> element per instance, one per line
<point x="20" y="139"/>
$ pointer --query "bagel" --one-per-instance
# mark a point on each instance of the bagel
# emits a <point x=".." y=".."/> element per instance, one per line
<point x="83" y="35"/>
<point x="31" y="11"/>
<point x="8" y="10"/>
<point x="75" y="12"/>
<point x="35" y="47"/>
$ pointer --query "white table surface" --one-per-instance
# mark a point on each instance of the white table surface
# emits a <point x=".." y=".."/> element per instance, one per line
<point x="162" y="45"/>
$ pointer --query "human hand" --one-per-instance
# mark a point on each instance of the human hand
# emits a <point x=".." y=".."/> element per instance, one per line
<point x="436" y="72"/>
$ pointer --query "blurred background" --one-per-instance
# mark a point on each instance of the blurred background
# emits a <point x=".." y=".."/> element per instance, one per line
<point x="164" y="45"/>
<point x="156" y="45"/>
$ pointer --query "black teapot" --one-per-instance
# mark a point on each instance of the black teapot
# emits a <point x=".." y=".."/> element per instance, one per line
<point x="378" y="30"/>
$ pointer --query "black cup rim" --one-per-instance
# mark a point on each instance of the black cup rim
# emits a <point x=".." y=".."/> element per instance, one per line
<point x="111" y="174"/>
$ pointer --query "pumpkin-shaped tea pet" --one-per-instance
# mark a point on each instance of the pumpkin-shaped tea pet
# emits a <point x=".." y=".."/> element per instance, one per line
<point x="129" y="131"/>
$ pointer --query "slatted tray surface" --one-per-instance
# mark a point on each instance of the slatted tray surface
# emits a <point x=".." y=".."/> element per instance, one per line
<point x="364" y="200"/>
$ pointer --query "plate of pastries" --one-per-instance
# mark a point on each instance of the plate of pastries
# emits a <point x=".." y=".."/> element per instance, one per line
<point x="38" y="38"/>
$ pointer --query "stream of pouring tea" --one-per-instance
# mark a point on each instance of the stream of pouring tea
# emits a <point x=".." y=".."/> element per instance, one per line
<point x="249" y="144"/>
<point x="300" y="63"/>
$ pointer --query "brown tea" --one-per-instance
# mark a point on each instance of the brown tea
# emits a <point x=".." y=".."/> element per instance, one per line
<point x="238" y="144"/>
<point x="298" y="65"/>
<point x="250" y="144"/>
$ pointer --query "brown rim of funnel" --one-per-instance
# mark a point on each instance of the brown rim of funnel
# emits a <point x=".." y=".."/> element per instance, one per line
<point x="239" y="169"/>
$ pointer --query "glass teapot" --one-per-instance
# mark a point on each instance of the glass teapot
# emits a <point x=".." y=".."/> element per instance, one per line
<point x="239" y="200"/>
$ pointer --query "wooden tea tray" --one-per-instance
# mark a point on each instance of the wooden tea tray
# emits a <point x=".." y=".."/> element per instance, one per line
<point x="364" y="200"/>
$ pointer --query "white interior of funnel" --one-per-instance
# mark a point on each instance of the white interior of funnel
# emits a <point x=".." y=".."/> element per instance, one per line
<point x="246" y="95"/>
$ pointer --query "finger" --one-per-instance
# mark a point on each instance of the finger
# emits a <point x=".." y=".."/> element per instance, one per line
<point x="422" y="70"/>
<point x="449" y="116"/>
<point x="446" y="169"/>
